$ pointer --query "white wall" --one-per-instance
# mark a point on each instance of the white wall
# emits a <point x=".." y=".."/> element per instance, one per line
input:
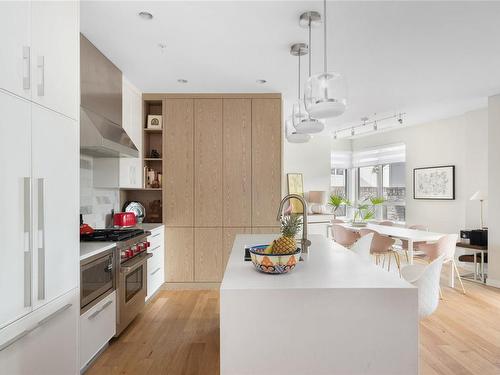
<point x="493" y="185"/>
<point x="459" y="141"/>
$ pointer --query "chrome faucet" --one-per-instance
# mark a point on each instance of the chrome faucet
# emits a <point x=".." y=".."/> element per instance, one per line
<point x="304" y="242"/>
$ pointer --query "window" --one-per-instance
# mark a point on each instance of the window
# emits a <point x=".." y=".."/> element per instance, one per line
<point x="381" y="172"/>
<point x="339" y="186"/>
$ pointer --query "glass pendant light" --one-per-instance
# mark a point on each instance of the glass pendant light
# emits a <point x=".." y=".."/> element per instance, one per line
<point x="302" y="120"/>
<point x="294" y="137"/>
<point x="325" y="94"/>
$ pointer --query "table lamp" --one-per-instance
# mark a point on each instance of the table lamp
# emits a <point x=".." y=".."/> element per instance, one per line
<point x="479" y="196"/>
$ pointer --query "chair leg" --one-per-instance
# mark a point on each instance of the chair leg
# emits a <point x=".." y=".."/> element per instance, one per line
<point x="440" y="293"/>
<point x="389" y="263"/>
<point x="398" y="262"/>
<point x="383" y="262"/>
<point x="407" y="259"/>
<point x="458" y="275"/>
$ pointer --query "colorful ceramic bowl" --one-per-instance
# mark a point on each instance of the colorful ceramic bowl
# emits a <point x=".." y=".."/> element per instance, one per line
<point x="273" y="263"/>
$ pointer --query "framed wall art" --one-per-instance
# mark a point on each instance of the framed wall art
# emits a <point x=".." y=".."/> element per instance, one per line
<point x="295" y="186"/>
<point x="435" y="183"/>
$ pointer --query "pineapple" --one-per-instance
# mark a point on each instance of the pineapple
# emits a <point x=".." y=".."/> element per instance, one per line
<point x="287" y="244"/>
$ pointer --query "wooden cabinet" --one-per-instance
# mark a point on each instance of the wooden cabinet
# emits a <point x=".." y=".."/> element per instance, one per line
<point x="208" y="254"/>
<point x="266" y="160"/>
<point x="179" y="162"/>
<point x="237" y="201"/>
<point x="208" y="162"/>
<point x="179" y="259"/>
<point x="222" y="157"/>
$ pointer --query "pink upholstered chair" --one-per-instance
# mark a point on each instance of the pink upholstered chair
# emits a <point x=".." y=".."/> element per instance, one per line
<point x="382" y="246"/>
<point x="386" y="223"/>
<point x="329" y="227"/>
<point x="404" y="243"/>
<point x="344" y="236"/>
<point x="445" y="246"/>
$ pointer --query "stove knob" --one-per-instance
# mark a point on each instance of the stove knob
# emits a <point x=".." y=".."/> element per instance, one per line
<point x="148" y="244"/>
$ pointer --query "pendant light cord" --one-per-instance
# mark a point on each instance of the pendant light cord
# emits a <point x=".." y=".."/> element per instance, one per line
<point x="309" y="46"/>
<point x="299" y="75"/>
<point x="324" y="39"/>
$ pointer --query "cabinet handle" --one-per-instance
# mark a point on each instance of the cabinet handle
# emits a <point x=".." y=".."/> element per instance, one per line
<point x="155" y="235"/>
<point x="41" y="86"/>
<point x="8" y="343"/>
<point x="155" y="271"/>
<point x="27" y="68"/>
<point x="157" y="247"/>
<point x="28" y="242"/>
<point x="41" y="240"/>
<point x="94" y="314"/>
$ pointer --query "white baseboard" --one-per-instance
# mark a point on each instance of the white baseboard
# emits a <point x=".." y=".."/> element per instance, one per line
<point x="493" y="282"/>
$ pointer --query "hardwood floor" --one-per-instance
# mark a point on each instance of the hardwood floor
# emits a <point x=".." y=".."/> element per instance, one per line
<point x="178" y="333"/>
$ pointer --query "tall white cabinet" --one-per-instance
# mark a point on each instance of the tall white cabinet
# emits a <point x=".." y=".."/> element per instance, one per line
<point x="39" y="164"/>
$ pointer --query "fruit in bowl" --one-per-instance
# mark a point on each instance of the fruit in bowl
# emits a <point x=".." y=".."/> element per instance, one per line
<point x="282" y="255"/>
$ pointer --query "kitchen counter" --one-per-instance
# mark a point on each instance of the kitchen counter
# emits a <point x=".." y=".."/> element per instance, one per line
<point x="334" y="314"/>
<point x="88" y="249"/>
<point x="149" y="226"/>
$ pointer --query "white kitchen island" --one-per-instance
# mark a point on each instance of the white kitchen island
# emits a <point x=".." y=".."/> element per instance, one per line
<point x="333" y="314"/>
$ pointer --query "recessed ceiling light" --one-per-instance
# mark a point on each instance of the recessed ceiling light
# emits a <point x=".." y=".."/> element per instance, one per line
<point x="261" y="81"/>
<point x="146" y="15"/>
<point x="182" y="80"/>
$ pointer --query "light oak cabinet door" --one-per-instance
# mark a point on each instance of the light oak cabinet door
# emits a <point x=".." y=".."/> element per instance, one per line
<point x="179" y="162"/>
<point x="266" y="160"/>
<point x="208" y="254"/>
<point x="179" y="261"/>
<point x="267" y="230"/>
<point x="208" y="162"/>
<point x="237" y="198"/>
<point x="228" y="240"/>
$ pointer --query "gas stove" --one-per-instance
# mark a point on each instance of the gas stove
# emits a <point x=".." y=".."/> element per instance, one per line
<point x="111" y="235"/>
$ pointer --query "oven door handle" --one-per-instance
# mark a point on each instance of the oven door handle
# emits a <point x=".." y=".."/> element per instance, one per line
<point x="140" y="260"/>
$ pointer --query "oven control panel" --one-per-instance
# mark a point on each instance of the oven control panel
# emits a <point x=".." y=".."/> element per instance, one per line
<point x="132" y="251"/>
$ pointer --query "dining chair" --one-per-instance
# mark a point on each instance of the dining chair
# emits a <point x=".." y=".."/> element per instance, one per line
<point x="404" y="243"/>
<point x="344" y="236"/>
<point x="362" y="247"/>
<point x="382" y="246"/>
<point x="445" y="246"/>
<point x="426" y="278"/>
<point x="387" y="223"/>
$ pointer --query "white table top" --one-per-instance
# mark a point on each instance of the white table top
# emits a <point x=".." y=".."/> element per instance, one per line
<point x="328" y="266"/>
<point x="399" y="232"/>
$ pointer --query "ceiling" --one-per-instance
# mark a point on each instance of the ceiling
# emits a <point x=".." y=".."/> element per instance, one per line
<point x="428" y="59"/>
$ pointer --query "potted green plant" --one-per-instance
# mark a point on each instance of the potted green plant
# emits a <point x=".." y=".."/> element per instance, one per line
<point x="365" y="210"/>
<point x="335" y="201"/>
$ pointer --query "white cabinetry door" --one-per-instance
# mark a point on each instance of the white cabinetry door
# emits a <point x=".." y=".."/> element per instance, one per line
<point x="15" y="172"/>
<point x="44" y="342"/>
<point x="15" y="47"/>
<point x="156" y="264"/>
<point x="131" y="168"/>
<point x="55" y="55"/>
<point x="55" y="204"/>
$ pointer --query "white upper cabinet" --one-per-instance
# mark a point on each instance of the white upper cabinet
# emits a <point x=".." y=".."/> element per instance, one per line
<point x="15" y="47"/>
<point x="55" y="202"/>
<point x="131" y="168"/>
<point x="15" y="228"/>
<point x="55" y="55"/>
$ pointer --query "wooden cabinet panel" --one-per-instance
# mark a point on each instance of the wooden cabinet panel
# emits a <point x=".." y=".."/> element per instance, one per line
<point x="266" y="230"/>
<point x="266" y="160"/>
<point x="237" y="198"/>
<point x="208" y="162"/>
<point x="179" y="259"/>
<point x="208" y="254"/>
<point x="228" y="240"/>
<point x="178" y="181"/>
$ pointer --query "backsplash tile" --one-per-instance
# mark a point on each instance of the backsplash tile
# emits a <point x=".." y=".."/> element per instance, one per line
<point x="95" y="203"/>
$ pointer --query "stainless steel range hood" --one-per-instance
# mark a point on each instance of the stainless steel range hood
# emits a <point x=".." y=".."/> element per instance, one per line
<point x="101" y="133"/>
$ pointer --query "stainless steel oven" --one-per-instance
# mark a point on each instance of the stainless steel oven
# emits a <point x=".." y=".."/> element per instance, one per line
<point x="97" y="278"/>
<point x="132" y="289"/>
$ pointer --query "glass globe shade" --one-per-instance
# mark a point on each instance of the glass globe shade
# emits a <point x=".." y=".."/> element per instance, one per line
<point x="325" y="95"/>
<point x="294" y="137"/>
<point x="302" y="122"/>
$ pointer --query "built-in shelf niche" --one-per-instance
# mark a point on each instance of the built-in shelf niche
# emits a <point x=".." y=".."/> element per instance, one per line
<point x="153" y="147"/>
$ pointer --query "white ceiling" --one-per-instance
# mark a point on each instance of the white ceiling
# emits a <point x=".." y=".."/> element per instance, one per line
<point x="423" y="58"/>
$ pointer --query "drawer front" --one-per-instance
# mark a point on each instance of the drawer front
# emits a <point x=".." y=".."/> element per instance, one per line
<point x="157" y="259"/>
<point x="156" y="277"/>
<point x="157" y="238"/>
<point x="27" y="346"/>
<point x="97" y="327"/>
